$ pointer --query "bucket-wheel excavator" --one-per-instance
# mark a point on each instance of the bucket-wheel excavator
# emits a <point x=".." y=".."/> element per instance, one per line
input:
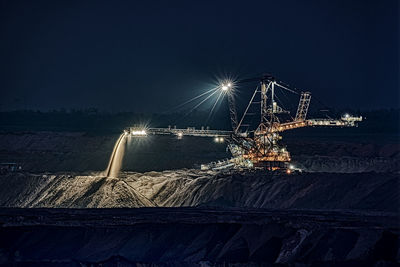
<point x="257" y="145"/>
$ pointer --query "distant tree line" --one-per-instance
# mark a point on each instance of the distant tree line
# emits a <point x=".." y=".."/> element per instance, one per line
<point x="93" y="120"/>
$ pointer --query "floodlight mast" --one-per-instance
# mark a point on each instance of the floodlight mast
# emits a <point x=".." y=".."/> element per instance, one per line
<point x="227" y="87"/>
<point x="232" y="111"/>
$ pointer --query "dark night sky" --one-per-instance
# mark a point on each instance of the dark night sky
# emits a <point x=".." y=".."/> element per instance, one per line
<point x="152" y="55"/>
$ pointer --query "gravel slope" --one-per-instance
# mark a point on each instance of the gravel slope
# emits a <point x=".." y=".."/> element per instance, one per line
<point x="190" y="187"/>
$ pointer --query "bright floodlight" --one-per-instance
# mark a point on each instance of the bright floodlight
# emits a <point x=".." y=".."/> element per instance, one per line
<point x="226" y="85"/>
<point x="139" y="133"/>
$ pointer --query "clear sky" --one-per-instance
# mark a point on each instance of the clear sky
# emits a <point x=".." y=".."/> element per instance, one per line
<point x="152" y="55"/>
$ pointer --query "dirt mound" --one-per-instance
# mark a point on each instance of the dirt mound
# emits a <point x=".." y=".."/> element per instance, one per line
<point x="366" y="191"/>
<point x="67" y="191"/>
<point x="259" y="190"/>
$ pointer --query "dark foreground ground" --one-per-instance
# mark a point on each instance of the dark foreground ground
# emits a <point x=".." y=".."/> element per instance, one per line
<point x="197" y="237"/>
